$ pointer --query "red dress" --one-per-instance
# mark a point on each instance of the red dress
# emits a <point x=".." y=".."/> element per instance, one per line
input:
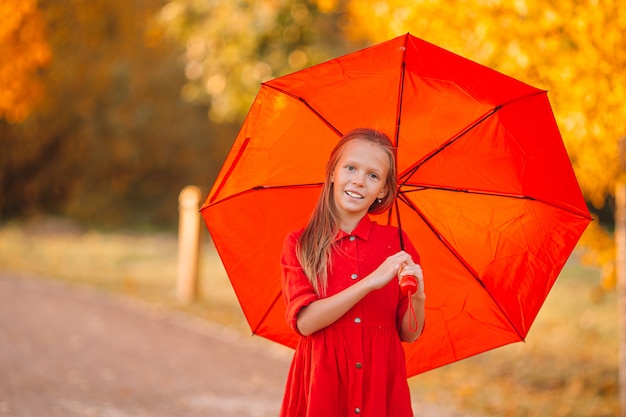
<point x="355" y="366"/>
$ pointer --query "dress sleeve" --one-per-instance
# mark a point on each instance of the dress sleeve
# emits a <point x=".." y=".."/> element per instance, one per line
<point x="298" y="291"/>
<point x="403" y="304"/>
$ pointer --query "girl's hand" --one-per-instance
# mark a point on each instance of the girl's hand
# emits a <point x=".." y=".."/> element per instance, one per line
<point x="389" y="269"/>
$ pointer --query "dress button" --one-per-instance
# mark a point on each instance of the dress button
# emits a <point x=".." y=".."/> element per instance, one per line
<point x="358" y="365"/>
<point x="357" y="410"/>
<point x="354" y="276"/>
<point x="352" y="238"/>
<point x="357" y="320"/>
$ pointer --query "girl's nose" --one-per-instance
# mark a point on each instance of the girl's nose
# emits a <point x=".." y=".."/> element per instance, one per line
<point x="358" y="180"/>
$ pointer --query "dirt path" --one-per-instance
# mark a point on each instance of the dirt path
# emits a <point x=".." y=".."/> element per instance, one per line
<point x="71" y="351"/>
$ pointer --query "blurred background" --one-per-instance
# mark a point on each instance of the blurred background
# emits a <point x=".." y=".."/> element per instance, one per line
<point x="108" y="108"/>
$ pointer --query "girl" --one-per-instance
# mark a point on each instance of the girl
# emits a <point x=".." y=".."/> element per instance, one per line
<point x="340" y="284"/>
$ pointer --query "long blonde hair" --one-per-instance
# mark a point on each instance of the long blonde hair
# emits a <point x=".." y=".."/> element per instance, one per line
<point x="316" y="242"/>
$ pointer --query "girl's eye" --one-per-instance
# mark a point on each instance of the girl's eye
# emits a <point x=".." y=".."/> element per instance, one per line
<point x="374" y="176"/>
<point x="350" y="168"/>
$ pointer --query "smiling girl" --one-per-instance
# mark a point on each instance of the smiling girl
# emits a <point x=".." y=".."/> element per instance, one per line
<point x="340" y="285"/>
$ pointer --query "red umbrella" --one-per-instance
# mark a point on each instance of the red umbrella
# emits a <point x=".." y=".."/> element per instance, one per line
<point x="487" y="193"/>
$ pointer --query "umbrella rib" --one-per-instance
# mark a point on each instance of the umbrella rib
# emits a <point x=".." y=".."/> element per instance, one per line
<point x="454" y="253"/>
<point x="401" y="93"/>
<point x="406" y="175"/>
<point x="412" y="206"/>
<point x="265" y="187"/>
<point x="306" y="103"/>
<point x="244" y="145"/>
<point x="409" y="172"/>
<point x="270" y="187"/>
<point x="417" y="188"/>
<point x="267" y="312"/>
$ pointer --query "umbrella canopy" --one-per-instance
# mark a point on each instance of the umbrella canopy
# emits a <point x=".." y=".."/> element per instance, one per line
<point x="487" y="193"/>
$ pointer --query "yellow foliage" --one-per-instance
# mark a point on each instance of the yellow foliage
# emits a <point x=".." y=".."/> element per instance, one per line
<point x="598" y="248"/>
<point x="23" y="50"/>
<point x="327" y="6"/>
<point x="597" y="237"/>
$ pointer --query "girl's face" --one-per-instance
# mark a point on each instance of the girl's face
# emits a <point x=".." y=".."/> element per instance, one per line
<point x="359" y="178"/>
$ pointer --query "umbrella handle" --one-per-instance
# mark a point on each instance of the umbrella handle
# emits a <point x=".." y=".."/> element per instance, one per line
<point x="408" y="284"/>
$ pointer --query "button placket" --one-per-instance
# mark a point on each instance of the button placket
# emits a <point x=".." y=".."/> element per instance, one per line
<point x="353" y="253"/>
<point x="358" y="353"/>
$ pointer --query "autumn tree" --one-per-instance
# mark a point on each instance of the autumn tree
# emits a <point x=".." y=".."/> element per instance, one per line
<point x="111" y="142"/>
<point x="23" y="51"/>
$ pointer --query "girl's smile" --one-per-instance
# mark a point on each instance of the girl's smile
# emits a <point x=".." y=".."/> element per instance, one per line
<point x="354" y="195"/>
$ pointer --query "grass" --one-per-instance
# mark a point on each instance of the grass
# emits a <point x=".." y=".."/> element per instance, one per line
<point x="567" y="366"/>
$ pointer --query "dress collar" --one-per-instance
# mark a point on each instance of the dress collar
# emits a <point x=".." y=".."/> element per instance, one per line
<point x="362" y="230"/>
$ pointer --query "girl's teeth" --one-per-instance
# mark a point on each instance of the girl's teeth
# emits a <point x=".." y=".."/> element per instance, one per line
<point x="354" y="195"/>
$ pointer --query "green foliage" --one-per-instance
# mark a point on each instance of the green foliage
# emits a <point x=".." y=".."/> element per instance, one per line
<point x="231" y="47"/>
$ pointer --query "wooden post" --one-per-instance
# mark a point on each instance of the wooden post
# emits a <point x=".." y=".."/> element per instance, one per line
<point x="188" y="243"/>
<point x="620" y="267"/>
